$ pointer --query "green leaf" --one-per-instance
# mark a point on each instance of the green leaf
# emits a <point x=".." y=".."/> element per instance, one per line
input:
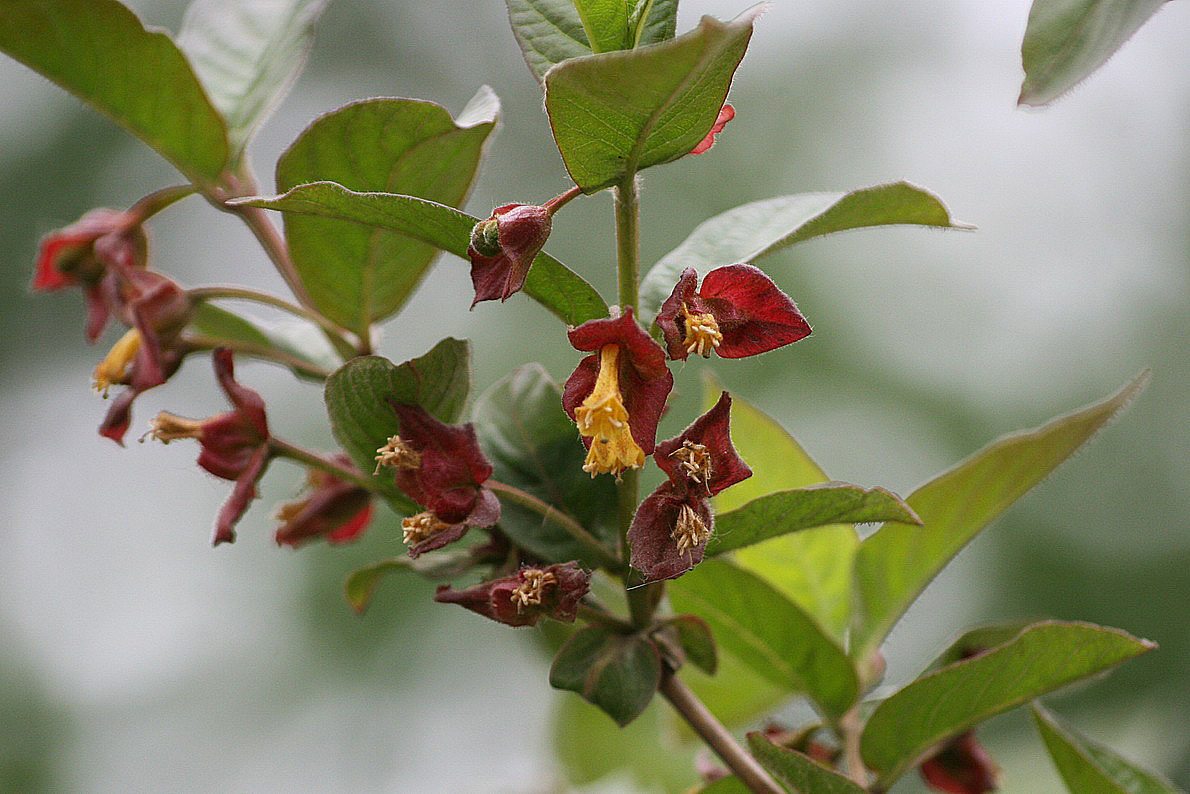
<point x="782" y="512"/>
<point x="616" y="672"/>
<point x="100" y="52"/>
<point x="894" y="564"/>
<point x="1042" y="658"/>
<point x="979" y="639"/>
<point x="247" y="53"/>
<point x="1091" y="768"/>
<point x="359" y="398"/>
<point x="750" y="231"/>
<point x="799" y="773"/>
<point x="725" y="785"/>
<point x="768" y="632"/>
<point x="551" y="31"/>
<point x="607" y="24"/>
<point x="1066" y="40"/>
<point x="697" y="643"/>
<point x="550" y="283"/>
<point x="534" y="446"/>
<point x="298" y="340"/>
<point x="356" y="274"/>
<point x="361" y="583"/>
<point x="811" y="567"/>
<point x="618" y="112"/>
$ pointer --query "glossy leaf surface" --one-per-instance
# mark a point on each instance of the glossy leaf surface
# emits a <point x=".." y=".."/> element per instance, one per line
<point x="782" y="512"/>
<point x="750" y="231"/>
<point x="1090" y="768"/>
<point x="895" y="564"/>
<point x="616" y="672"/>
<point x="357" y="274"/>
<point x="534" y="446"/>
<point x="796" y="771"/>
<point x="941" y="704"/>
<point x="247" y="53"/>
<point x="100" y="52"/>
<point x="1066" y="40"/>
<point x="770" y="633"/>
<point x="359" y="397"/>
<point x="615" y="113"/>
<point x="550" y="282"/>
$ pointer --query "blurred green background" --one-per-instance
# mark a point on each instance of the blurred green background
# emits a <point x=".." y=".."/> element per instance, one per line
<point x="133" y="657"/>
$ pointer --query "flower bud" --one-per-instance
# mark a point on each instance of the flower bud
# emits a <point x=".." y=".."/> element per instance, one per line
<point x="503" y="248"/>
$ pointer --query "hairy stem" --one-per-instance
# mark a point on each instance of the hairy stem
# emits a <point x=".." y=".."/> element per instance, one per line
<point x="265" y="352"/>
<point x="314" y="460"/>
<point x="560" y="201"/>
<point x="717" y="737"/>
<point x="551" y="513"/>
<point x="243" y="293"/>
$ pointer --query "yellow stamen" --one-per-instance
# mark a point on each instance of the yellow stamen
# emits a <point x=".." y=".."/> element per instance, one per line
<point x="702" y="333"/>
<point x="420" y="527"/>
<point x="603" y="418"/>
<point x="689" y="530"/>
<point x="530" y="589"/>
<point x="694" y="460"/>
<point x="398" y="454"/>
<point x="166" y="427"/>
<point x="114" y="367"/>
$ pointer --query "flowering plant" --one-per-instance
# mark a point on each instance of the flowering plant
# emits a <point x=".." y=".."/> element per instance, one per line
<point x="529" y="509"/>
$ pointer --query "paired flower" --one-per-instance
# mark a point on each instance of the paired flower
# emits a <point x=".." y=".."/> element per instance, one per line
<point x="333" y="509"/>
<point x="673" y="524"/>
<point x="235" y="445"/>
<point x="738" y="311"/>
<point x="726" y="114"/>
<point x="503" y="248"/>
<point x="961" y="766"/>
<point x="617" y="394"/>
<point x="524" y="597"/>
<point x="81" y="253"/>
<point x="442" y="468"/>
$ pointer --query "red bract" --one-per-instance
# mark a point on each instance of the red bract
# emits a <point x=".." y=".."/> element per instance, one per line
<point x="333" y="509"/>
<point x="524" y="597"/>
<point x="235" y="445"/>
<point x="616" y="396"/>
<point x="151" y="351"/>
<point x="81" y="253"/>
<point x="442" y="468"/>
<point x="670" y="530"/>
<point x="503" y="248"/>
<point x="737" y="312"/>
<point x="726" y="114"/>
<point x="961" y="766"/>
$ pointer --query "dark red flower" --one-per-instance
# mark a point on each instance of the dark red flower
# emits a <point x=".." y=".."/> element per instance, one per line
<point x="234" y="445"/>
<point x="670" y="530"/>
<point x="503" y="248"/>
<point x="81" y="253"/>
<point x="961" y="766"/>
<point x="616" y="395"/>
<point x="737" y="312"/>
<point x="151" y="351"/>
<point x="726" y="114"/>
<point x="334" y="509"/>
<point x="442" y="468"/>
<point x="524" y="597"/>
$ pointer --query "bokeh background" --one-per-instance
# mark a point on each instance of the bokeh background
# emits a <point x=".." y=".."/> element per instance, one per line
<point x="133" y="657"/>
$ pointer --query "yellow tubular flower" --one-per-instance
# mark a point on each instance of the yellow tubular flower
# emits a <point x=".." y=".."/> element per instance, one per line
<point x="603" y="419"/>
<point x="114" y="366"/>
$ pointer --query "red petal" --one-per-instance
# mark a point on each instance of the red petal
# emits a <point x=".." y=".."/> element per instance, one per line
<point x="654" y="550"/>
<point x="242" y="494"/>
<point x="726" y="114"/>
<point x="523" y="230"/>
<point x="712" y="430"/>
<point x="671" y="327"/>
<point x="248" y="404"/>
<point x="646" y="356"/>
<point x="754" y="315"/>
<point x="452" y="464"/>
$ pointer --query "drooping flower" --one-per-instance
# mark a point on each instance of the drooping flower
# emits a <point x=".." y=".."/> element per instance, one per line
<point x="617" y="394"/>
<point x="234" y="445"/>
<point x="81" y="253"/>
<point x="333" y="508"/>
<point x="726" y="114"/>
<point x="524" y="597"/>
<point x="151" y="351"/>
<point x="503" y="248"/>
<point x="738" y="311"/>
<point x="442" y="468"/>
<point x="961" y="766"/>
<point x="670" y="530"/>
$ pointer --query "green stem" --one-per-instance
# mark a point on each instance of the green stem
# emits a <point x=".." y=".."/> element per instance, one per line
<point x="314" y="460"/>
<point x="155" y="202"/>
<point x="266" y="352"/>
<point x="551" y="513"/>
<point x="333" y="332"/>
